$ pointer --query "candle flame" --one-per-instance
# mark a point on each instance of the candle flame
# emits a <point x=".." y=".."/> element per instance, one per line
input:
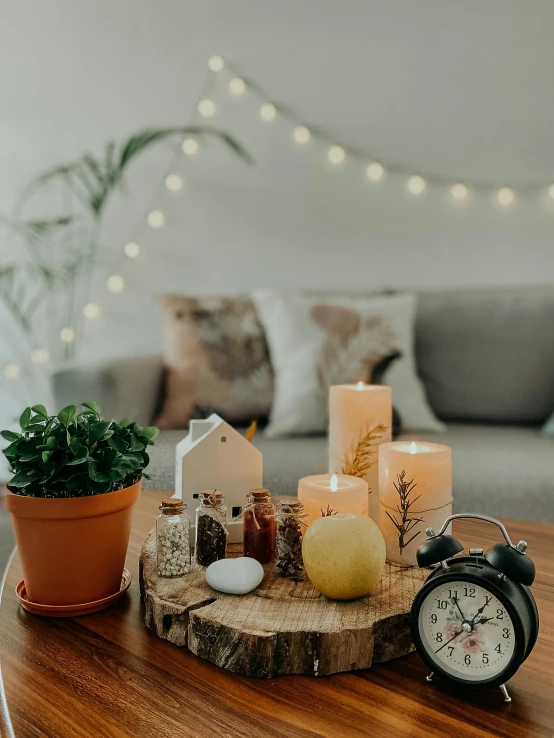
<point x="413" y="447"/>
<point x="334" y="483"/>
<point x="360" y="385"/>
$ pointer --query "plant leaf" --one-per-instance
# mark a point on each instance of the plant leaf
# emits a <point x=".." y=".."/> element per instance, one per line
<point x="150" y="432"/>
<point x="10" y="435"/>
<point x="97" y="430"/>
<point x="96" y="475"/>
<point x="91" y="406"/>
<point x="25" y="418"/>
<point x="118" y="443"/>
<point x="66" y="415"/>
<point x="40" y="410"/>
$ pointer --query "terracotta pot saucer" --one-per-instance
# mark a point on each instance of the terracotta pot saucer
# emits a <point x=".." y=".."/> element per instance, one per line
<point x="70" y="611"/>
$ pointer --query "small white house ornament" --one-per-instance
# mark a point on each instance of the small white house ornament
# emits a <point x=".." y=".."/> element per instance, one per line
<point x="216" y="456"/>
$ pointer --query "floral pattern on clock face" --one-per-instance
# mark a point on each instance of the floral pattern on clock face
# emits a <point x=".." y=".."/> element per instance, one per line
<point x="466" y="631"/>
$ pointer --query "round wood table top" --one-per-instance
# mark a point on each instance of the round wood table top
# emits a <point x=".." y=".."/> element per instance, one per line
<point x="106" y="675"/>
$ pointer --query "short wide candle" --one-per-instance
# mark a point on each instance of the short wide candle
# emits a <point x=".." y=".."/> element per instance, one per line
<point x="415" y="493"/>
<point x="338" y="492"/>
<point x="360" y="418"/>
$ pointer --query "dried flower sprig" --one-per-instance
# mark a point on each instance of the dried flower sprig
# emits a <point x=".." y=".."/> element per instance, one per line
<point x="327" y="513"/>
<point x="363" y="454"/>
<point x="406" y="524"/>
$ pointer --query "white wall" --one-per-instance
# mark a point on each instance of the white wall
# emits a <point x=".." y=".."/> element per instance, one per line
<point x="458" y="88"/>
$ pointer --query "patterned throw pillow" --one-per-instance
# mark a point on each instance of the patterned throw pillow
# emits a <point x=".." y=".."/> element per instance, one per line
<point x="315" y="343"/>
<point x="216" y="360"/>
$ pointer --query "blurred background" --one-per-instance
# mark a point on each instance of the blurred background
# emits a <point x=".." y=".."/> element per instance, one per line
<point x="455" y="93"/>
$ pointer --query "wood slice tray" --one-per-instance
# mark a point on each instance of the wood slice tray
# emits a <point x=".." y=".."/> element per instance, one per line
<point x="282" y="627"/>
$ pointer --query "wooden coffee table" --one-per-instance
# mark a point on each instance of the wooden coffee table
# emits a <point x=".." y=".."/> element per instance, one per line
<point x="107" y="675"/>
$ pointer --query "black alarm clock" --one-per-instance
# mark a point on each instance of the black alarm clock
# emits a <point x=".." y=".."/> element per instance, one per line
<point x="474" y="621"/>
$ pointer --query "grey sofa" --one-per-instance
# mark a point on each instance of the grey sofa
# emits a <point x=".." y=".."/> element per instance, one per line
<point x="486" y="358"/>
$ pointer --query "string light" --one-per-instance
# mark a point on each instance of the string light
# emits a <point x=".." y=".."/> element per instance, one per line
<point x="237" y="86"/>
<point x="416" y="184"/>
<point x="505" y="196"/>
<point x="459" y="191"/>
<point x="174" y="182"/>
<point x="551" y="191"/>
<point x="115" y="283"/>
<point x="336" y="155"/>
<point x="155" y="218"/>
<point x="131" y="250"/>
<point x="375" y="171"/>
<point x="216" y="64"/>
<point x="11" y="371"/>
<point x="268" y="111"/>
<point x="39" y="356"/>
<point x="91" y="310"/>
<point x="302" y="135"/>
<point x="207" y="108"/>
<point x="190" y="146"/>
<point x="67" y="334"/>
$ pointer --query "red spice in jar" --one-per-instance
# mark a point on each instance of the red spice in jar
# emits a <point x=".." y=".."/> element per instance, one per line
<point x="259" y="540"/>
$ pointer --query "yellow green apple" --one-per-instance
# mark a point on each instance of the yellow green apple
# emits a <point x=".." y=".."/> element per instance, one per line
<point x="344" y="555"/>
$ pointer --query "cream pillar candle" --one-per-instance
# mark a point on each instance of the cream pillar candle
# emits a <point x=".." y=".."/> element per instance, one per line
<point x="415" y="493"/>
<point x="340" y="493"/>
<point x="360" y="419"/>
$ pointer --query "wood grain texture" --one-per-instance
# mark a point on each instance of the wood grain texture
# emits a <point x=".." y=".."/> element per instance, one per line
<point x="106" y="675"/>
<point x="283" y="627"/>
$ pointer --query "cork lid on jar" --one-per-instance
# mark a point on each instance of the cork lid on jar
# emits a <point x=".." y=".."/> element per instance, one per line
<point x="211" y="497"/>
<point x="173" y="506"/>
<point x="259" y="495"/>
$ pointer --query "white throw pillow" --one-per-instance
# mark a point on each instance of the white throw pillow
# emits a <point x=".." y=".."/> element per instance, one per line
<point x="316" y="342"/>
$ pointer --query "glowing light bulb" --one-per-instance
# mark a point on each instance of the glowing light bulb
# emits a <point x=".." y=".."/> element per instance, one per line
<point x="115" y="283"/>
<point x="67" y="334"/>
<point x="375" y="171"/>
<point x="174" y="182"/>
<point x="413" y="447"/>
<point x="237" y="86"/>
<point x="336" y="155"/>
<point x="360" y="385"/>
<point x="459" y="191"/>
<point x="268" y="111"/>
<point x="216" y="64"/>
<point x="334" y="483"/>
<point x="131" y="250"/>
<point x="11" y="370"/>
<point x="551" y="191"/>
<point x="207" y="108"/>
<point x="91" y="310"/>
<point x="505" y="196"/>
<point x="155" y="218"/>
<point x="416" y="185"/>
<point x="39" y="356"/>
<point x="190" y="146"/>
<point x="302" y="134"/>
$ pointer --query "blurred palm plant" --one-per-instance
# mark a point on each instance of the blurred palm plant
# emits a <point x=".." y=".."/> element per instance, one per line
<point x="50" y="276"/>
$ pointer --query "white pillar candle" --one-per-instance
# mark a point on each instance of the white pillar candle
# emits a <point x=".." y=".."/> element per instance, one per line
<point x="360" y="419"/>
<point x="336" y="492"/>
<point x="415" y="493"/>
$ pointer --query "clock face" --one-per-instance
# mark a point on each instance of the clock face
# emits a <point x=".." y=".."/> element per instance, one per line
<point x="466" y="631"/>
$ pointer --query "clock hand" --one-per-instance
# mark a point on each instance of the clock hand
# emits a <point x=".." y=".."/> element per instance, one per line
<point x="481" y="621"/>
<point x="455" y="600"/>
<point x="450" y="641"/>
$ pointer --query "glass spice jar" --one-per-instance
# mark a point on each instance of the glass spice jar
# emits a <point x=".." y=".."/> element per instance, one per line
<point x="288" y="539"/>
<point x="173" y="539"/>
<point x="211" y="528"/>
<point x="259" y="526"/>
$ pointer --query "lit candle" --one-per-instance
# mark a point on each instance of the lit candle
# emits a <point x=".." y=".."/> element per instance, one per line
<point x="337" y="493"/>
<point x="360" y="419"/>
<point x="415" y="493"/>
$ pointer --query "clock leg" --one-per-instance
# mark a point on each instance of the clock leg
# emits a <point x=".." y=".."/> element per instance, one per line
<point x="429" y="677"/>
<point x="505" y="694"/>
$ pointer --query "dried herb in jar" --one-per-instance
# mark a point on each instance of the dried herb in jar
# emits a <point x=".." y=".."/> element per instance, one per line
<point x="288" y="562"/>
<point x="211" y="530"/>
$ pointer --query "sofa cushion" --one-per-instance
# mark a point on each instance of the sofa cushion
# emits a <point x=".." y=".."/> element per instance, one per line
<point x="488" y="354"/>
<point x="503" y="471"/>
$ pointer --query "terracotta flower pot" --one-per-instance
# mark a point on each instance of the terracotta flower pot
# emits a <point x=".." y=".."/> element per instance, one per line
<point x="73" y="550"/>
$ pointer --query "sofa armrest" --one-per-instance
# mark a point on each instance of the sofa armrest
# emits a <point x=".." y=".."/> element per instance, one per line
<point x="122" y="388"/>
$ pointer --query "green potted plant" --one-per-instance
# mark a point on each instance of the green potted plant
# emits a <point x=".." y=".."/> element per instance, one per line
<point x="76" y="479"/>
